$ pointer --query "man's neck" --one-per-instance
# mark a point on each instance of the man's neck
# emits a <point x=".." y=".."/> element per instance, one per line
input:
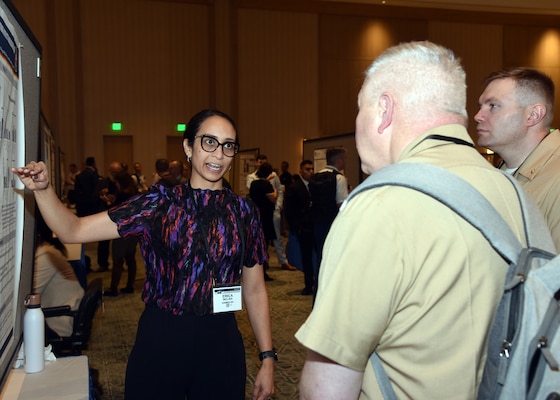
<point x="514" y="156"/>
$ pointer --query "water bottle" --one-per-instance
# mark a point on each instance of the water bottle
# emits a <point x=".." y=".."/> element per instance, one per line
<point x="33" y="335"/>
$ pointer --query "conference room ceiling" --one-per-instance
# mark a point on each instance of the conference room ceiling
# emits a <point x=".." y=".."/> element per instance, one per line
<point x="508" y="6"/>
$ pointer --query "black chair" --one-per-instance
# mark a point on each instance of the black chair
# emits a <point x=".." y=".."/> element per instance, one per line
<point x="83" y="320"/>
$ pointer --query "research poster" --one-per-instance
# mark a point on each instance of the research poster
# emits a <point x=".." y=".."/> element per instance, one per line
<point x="11" y="203"/>
<point x="245" y="165"/>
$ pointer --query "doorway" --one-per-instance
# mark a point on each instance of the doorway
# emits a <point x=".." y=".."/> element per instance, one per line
<point x="117" y="148"/>
<point x="175" y="149"/>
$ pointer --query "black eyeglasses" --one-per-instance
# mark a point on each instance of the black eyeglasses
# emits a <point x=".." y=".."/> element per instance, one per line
<point x="210" y="144"/>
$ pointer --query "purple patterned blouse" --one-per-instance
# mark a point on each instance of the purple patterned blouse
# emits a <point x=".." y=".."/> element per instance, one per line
<point x="189" y="239"/>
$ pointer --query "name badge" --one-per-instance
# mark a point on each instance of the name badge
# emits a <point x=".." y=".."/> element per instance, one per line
<point x="227" y="298"/>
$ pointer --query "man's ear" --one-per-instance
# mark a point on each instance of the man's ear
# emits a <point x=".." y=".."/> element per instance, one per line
<point x="386" y="106"/>
<point x="536" y="114"/>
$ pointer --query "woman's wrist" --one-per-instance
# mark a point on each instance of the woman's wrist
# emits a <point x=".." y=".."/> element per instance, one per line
<point x="272" y="354"/>
<point x="42" y="190"/>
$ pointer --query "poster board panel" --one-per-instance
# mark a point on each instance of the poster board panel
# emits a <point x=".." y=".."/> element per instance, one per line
<point x="19" y="142"/>
<point x="244" y="164"/>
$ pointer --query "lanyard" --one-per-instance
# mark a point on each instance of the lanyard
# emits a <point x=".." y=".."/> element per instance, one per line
<point x="449" y="139"/>
<point x="445" y="139"/>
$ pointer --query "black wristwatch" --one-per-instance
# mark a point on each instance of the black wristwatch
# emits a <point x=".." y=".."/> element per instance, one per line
<point x="269" y="354"/>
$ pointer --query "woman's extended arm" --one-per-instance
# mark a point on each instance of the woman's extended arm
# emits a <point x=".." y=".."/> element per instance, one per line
<point x="256" y="301"/>
<point x="64" y="223"/>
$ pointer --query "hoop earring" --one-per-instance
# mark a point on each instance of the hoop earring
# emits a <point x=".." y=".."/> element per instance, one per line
<point x="188" y="159"/>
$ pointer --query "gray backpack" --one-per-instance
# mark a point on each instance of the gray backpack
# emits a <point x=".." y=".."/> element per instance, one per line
<point x="524" y="340"/>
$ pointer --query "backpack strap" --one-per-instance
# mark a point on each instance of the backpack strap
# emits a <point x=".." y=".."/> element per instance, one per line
<point x="537" y="232"/>
<point x="384" y="383"/>
<point x="455" y="193"/>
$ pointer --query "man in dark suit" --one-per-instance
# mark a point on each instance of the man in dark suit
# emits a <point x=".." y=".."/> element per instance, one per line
<point x="87" y="203"/>
<point x="87" y="198"/>
<point x="297" y="210"/>
<point x="107" y="191"/>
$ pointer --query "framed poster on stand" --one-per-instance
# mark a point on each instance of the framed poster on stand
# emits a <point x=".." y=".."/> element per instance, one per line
<point x="244" y="165"/>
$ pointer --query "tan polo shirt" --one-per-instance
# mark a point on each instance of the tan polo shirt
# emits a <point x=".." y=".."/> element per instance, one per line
<point x="540" y="176"/>
<point x="405" y="275"/>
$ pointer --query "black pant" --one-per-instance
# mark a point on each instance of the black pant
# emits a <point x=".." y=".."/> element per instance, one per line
<point x="202" y="358"/>
<point x="305" y="239"/>
<point x="103" y="253"/>
<point x="320" y="232"/>
<point x="123" y="250"/>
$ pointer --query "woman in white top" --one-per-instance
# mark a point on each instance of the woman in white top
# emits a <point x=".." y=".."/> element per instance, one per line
<point x="54" y="278"/>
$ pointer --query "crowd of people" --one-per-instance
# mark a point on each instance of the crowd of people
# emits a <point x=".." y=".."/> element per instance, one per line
<point x="94" y="193"/>
<point x="392" y="272"/>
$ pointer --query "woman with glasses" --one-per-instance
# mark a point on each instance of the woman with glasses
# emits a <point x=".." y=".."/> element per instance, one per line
<point x="203" y="248"/>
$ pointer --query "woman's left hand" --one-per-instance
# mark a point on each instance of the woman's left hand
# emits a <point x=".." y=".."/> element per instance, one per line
<point x="264" y="383"/>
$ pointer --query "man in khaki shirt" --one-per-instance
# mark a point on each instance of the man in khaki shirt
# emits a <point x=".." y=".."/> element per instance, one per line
<point x="514" y="120"/>
<point x="402" y="274"/>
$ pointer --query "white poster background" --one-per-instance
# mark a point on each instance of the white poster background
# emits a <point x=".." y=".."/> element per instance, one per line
<point x="319" y="159"/>
<point x="246" y="167"/>
<point x="12" y="148"/>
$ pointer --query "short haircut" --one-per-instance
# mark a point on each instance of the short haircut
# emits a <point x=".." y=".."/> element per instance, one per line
<point x="531" y="85"/>
<point x="162" y="165"/>
<point x="426" y="77"/>
<point x="264" y="170"/>
<point x="334" y="153"/>
<point x="305" y="162"/>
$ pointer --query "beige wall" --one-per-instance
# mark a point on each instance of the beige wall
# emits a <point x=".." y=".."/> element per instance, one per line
<point x="284" y="69"/>
<point x="277" y="83"/>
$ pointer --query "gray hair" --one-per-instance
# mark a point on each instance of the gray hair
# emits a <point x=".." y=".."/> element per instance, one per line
<point x="426" y="77"/>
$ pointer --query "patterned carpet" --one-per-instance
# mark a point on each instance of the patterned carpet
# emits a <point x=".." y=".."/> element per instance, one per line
<point x="115" y="328"/>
